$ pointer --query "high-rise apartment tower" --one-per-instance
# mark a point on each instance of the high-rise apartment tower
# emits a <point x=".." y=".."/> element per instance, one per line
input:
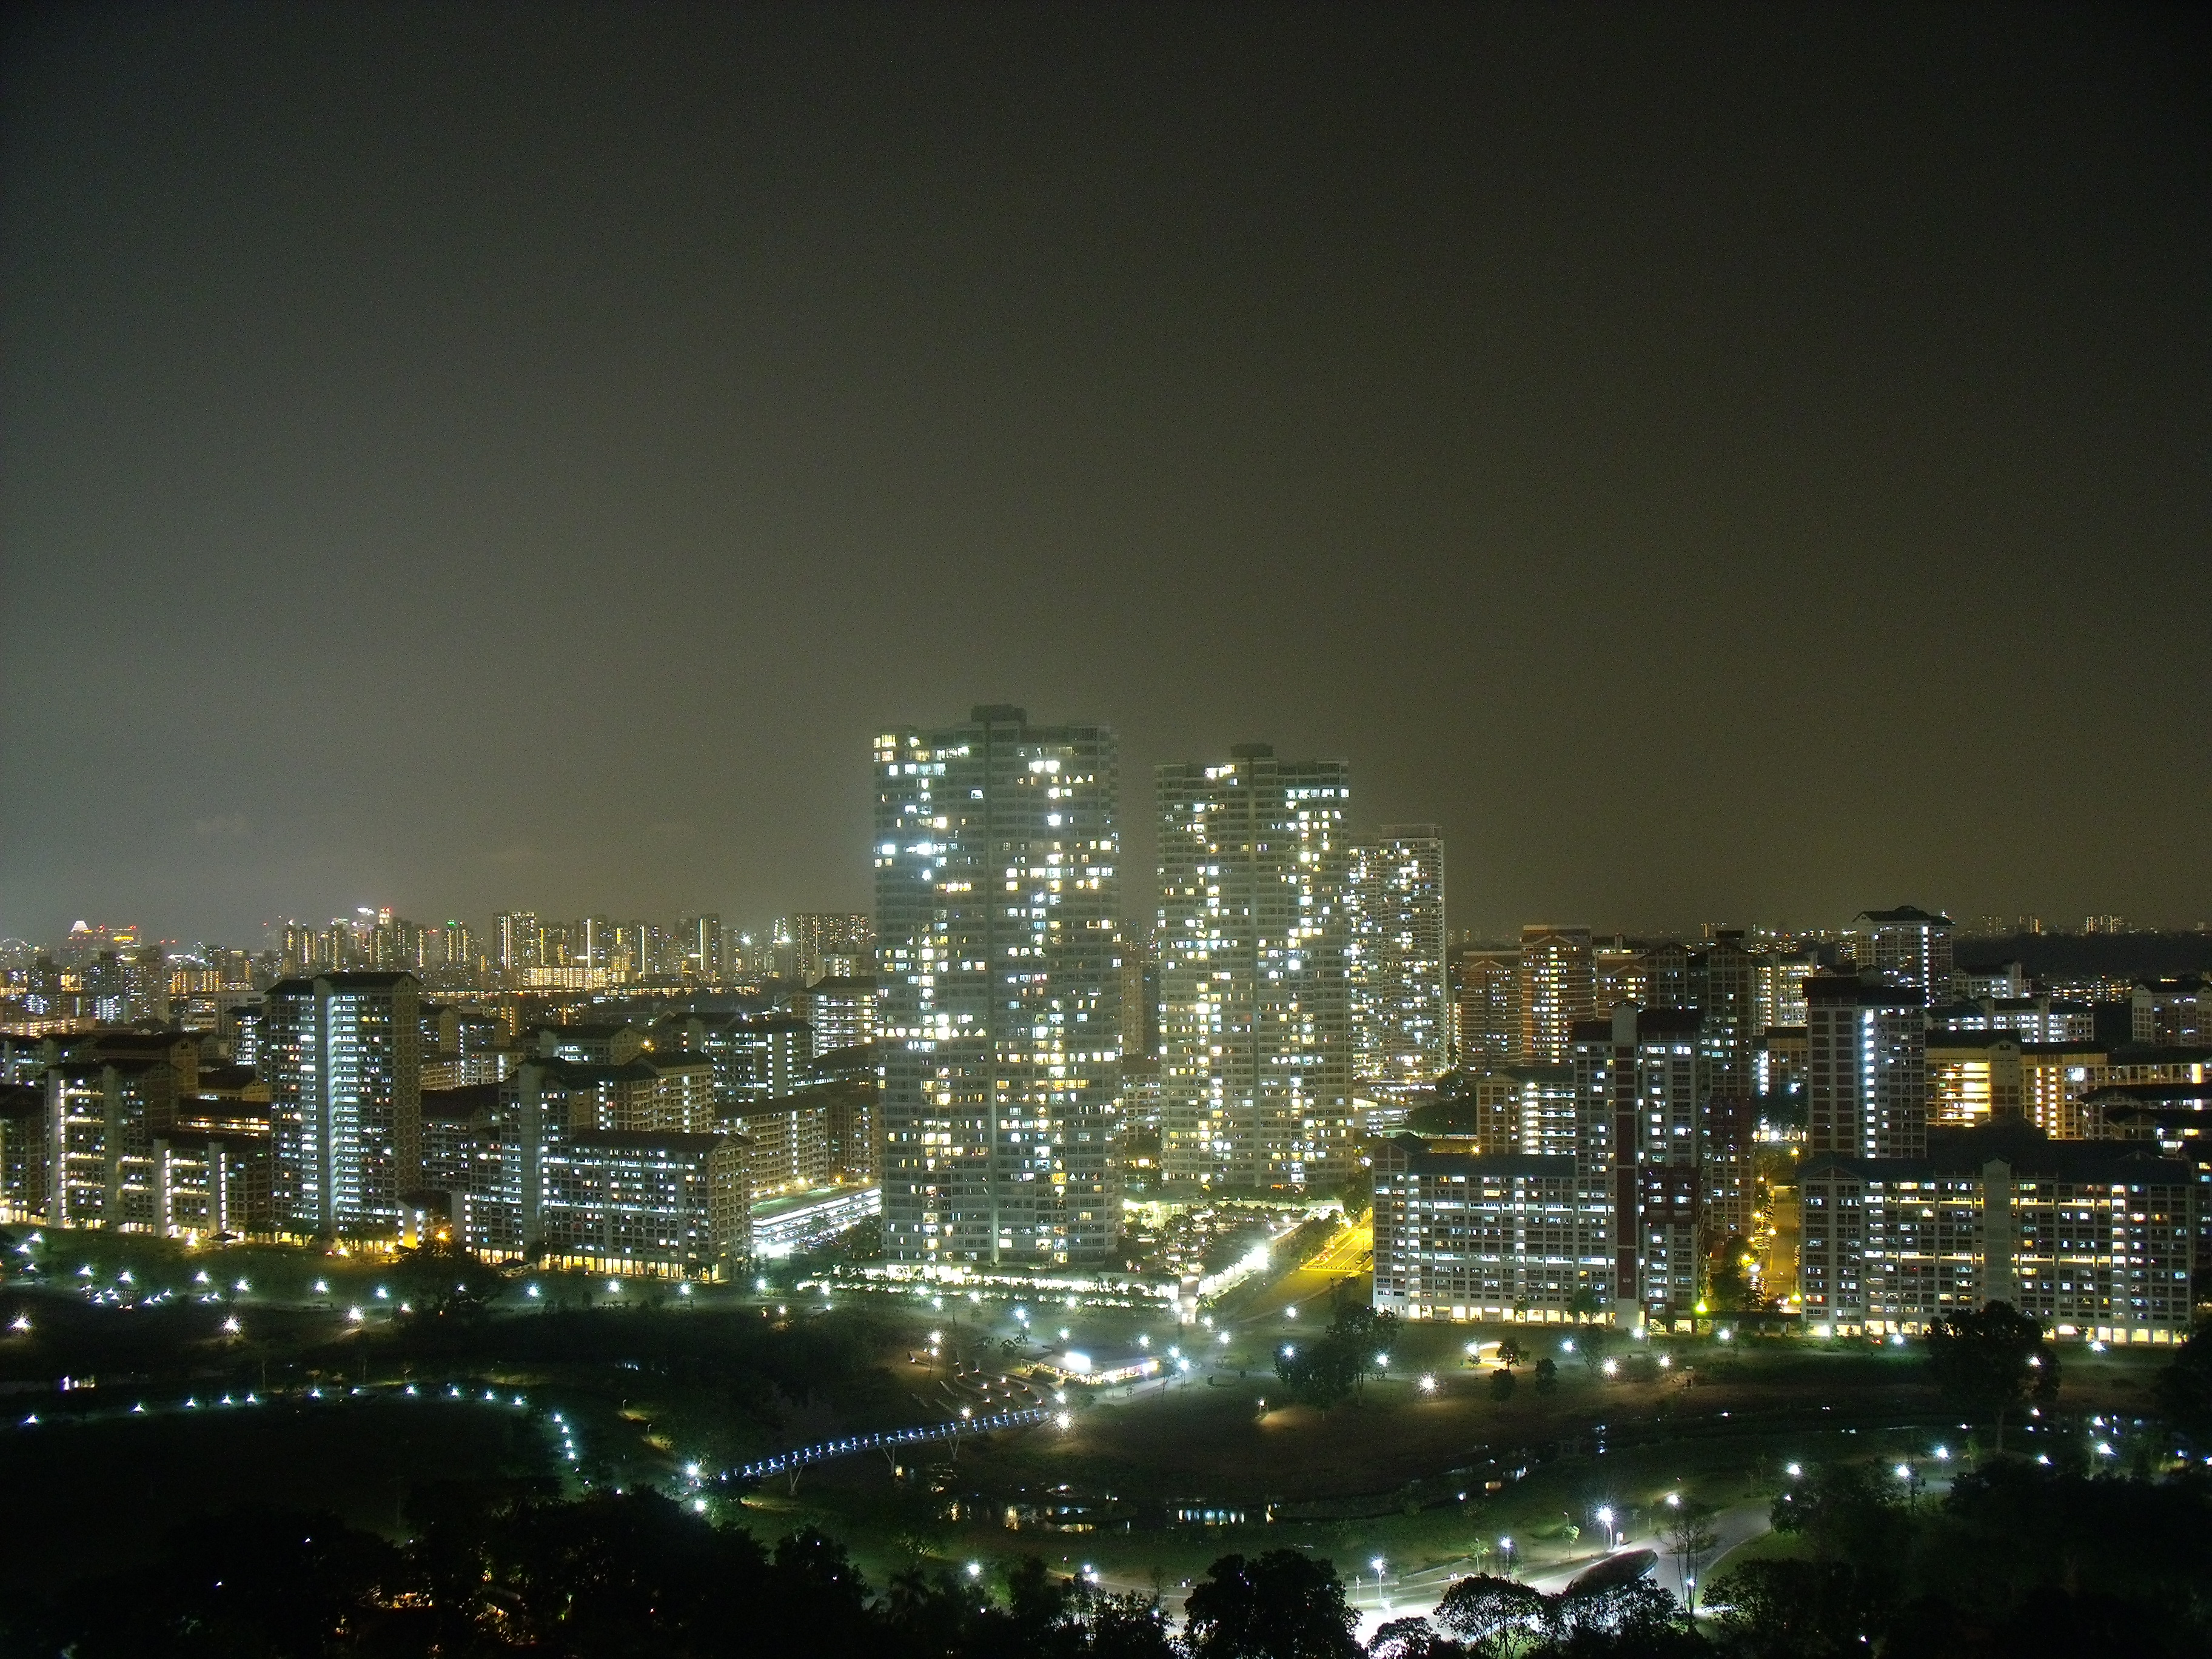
<point x="341" y="1055"/>
<point x="1558" y="987"/>
<point x="1255" y="1037"/>
<point x="1401" y="1008"/>
<point x="997" y="889"/>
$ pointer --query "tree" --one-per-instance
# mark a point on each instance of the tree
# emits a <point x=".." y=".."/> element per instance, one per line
<point x="1784" y="1609"/>
<point x="1493" y="1616"/>
<point x="1502" y="1384"/>
<point x="2185" y="1387"/>
<point x="1326" y="1370"/>
<point x="1547" y="1375"/>
<point x="1728" y="1276"/>
<point x="1691" y="1539"/>
<point x="1987" y="1362"/>
<point x="1284" y="1605"/>
<point x="1412" y="1638"/>
<point x="440" y="1279"/>
<point x="1845" y="1512"/>
<point x="1509" y="1352"/>
<point x="1635" y="1620"/>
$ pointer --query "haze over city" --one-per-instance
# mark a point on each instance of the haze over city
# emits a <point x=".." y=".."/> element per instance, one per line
<point x="1720" y="466"/>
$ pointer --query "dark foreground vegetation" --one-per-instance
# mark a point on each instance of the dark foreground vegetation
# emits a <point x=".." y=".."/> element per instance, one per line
<point x="2016" y="1561"/>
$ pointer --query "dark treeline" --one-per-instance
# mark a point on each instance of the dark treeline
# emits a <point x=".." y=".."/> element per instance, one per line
<point x="2015" y="1561"/>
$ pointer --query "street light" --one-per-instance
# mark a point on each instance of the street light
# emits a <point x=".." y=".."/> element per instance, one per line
<point x="1605" y="1520"/>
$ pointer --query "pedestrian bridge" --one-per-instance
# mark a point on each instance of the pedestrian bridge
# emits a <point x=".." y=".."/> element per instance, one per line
<point x="791" y="1462"/>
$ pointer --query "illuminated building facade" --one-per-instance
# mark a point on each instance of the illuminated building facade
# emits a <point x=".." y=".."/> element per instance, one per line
<point x="1253" y="933"/>
<point x="23" y="1159"/>
<point x="1559" y="987"/>
<point x="2094" y="1238"/>
<point x="998" y="900"/>
<point x="646" y="1202"/>
<point x="1646" y="1070"/>
<point x="1395" y="959"/>
<point x="102" y="1117"/>
<point x="1485" y="997"/>
<point x="2031" y="1019"/>
<point x="787" y="1144"/>
<point x="2175" y="1012"/>
<point x="1462" y="1235"/>
<point x="756" y="1057"/>
<point x="1532" y="1110"/>
<point x="341" y="1055"/>
<point x="840" y="1011"/>
<point x="1778" y="987"/>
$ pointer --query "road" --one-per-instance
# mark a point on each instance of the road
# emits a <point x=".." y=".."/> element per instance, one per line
<point x="1309" y="1285"/>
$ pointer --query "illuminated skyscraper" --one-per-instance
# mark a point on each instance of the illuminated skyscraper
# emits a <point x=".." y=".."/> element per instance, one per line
<point x="1401" y="1014"/>
<point x="1558" y="987"/>
<point x="1255" y="1032"/>
<point x="998" y="890"/>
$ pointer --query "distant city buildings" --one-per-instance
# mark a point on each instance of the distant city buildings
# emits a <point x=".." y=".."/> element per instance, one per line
<point x="1882" y="1129"/>
<point x="810" y="946"/>
<point x="1907" y="947"/>
<point x="1253" y="933"/>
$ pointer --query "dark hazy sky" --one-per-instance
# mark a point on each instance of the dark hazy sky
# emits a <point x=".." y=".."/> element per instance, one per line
<point x="1741" y="464"/>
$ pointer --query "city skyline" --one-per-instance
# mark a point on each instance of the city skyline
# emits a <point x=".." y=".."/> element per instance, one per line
<point x="1204" y="832"/>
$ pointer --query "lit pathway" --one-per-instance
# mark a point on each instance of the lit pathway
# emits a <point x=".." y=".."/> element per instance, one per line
<point x="789" y="1462"/>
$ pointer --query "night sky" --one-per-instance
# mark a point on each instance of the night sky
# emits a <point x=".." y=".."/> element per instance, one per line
<point x="1739" y="464"/>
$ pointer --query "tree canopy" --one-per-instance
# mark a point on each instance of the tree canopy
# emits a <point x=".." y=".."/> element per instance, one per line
<point x="1990" y="1361"/>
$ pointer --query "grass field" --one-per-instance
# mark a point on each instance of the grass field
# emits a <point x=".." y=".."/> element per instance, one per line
<point x="1403" y="1472"/>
